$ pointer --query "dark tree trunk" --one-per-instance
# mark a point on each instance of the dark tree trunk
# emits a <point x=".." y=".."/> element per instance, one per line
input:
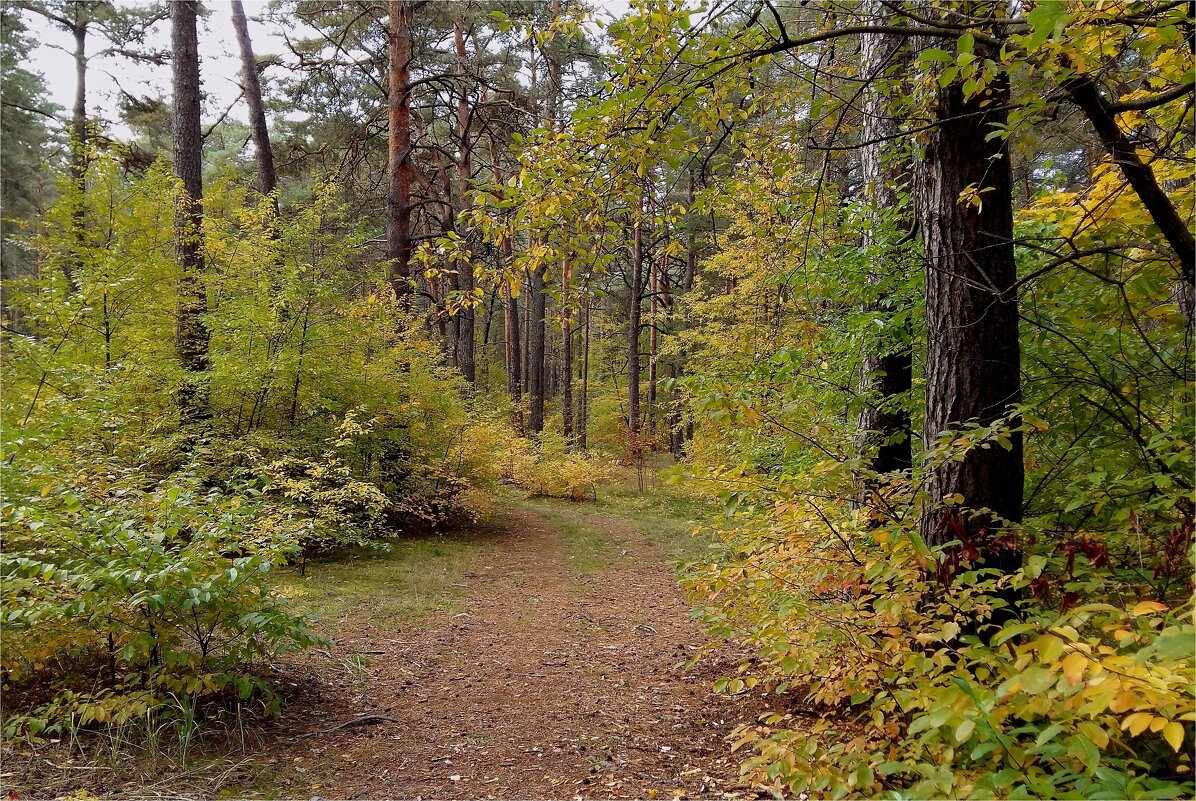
<point x="973" y="357"/>
<point x="535" y="353"/>
<point x="1085" y="94"/>
<point x="583" y="401"/>
<point x="526" y="311"/>
<point x="512" y="353"/>
<point x="567" y="361"/>
<point x="888" y="364"/>
<point x="263" y="155"/>
<point x="448" y="224"/>
<point x="398" y="218"/>
<point x="466" y="360"/>
<point x="191" y="333"/>
<point x="512" y="347"/>
<point x="633" y="321"/>
<point x="653" y="339"/>
<point x="536" y="335"/>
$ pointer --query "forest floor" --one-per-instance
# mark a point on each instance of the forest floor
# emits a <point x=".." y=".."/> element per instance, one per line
<point x="539" y="654"/>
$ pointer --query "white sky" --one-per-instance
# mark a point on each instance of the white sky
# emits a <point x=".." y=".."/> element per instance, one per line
<point x="219" y="68"/>
<point x="219" y="61"/>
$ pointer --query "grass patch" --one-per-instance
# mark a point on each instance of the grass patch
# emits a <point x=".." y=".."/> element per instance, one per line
<point x="403" y="585"/>
<point x="664" y="514"/>
<point x="587" y="546"/>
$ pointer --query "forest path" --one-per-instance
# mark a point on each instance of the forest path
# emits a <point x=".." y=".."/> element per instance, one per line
<point x="559" y="674"/>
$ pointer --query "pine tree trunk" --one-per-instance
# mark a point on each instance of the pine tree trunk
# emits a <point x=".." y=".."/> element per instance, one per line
<point x="398" y="218"/>
<point x="535" y="353"/>
<point x="583" y="401"/>
<point x="191" y="333"/>
<point x="567" y="360"/>
<point x="512" y="352"/>
<point x="512" y="346"/>
<point x="888" y="366"/>
<point x="633" y="321"/>
<point x="536" y="336"/>
<point x="453" y="286"/>
<point x="653" y="317"/>
<point x="466" y="354"/>
<point x="73" y="266"/>
<point x="263" y="155"/>
<point x="973" y="356"/>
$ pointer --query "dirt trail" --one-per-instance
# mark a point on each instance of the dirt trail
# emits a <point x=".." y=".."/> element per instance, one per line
<point x="549" y="684"/>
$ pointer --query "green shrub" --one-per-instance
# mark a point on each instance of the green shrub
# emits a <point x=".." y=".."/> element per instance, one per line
<point x="148" y="591"/>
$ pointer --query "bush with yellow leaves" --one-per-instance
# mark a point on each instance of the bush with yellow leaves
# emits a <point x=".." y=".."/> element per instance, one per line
<point x="549" y="468"/>
<point x="1065" y="678"/>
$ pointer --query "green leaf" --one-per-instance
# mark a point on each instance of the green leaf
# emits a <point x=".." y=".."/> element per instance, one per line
<point x="1009" y="632"/>
<point x="1084" y="750"/>
<point x="934" y="55"/>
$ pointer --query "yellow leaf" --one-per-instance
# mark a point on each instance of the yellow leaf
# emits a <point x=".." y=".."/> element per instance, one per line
<point x="1136" y="723"/>
<point x="1173" y="733"/>
<point x="1122" y="702"/>
<point x="1073" y="667"/>
<point x="1146" y="607"/>
<point x="1158" y="723"/>
<point x="1049" y="647"/>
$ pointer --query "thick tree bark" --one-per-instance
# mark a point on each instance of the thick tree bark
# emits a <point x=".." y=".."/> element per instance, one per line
<point x="973" y="356"/>
<point x="633" y="320"/>
<point x="191" y="333"/>
<point x="398" y="218"/>
<point x="263" y="155"/>
<point x="466" y="360"/>
<point x="888" y="367"/>
<point x="1085" y="94"/>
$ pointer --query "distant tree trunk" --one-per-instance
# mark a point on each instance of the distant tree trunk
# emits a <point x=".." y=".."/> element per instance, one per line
<point x="465" y="338"/>
<point x="526" y="312"/>
<point x="653" y="341"/>
<point x="191" y="333"/>
<point x="79" y="156"/>
<point x="973" y="356"/>
<point x="263" y="155"/>
<point x="888" y="367"/>
<point x="512" y="353"/>
<point x="691" y="244"/>
<point x="535" y="353"/>
<point x="536" y="339"/>
<point x="633" y="319"/>
<point x="567" y="360"/>
<point x="447" y="225"/>
<point x="583" y="401"/>
<point x="398" y="222"/>
<point x="512" y="347"/>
